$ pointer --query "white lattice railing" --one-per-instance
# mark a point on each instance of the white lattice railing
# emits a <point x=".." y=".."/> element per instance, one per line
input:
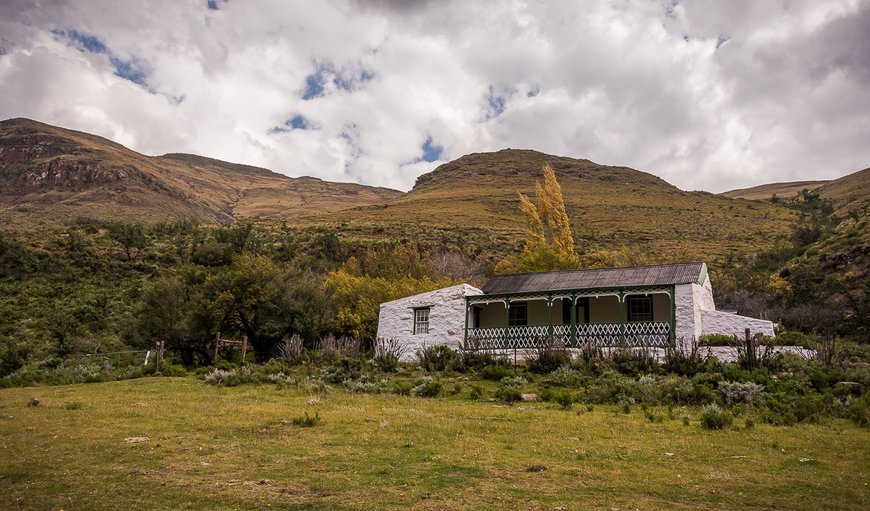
<point x="599" y="334"/>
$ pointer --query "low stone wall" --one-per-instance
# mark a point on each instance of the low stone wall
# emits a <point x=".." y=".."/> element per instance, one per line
<point x="718" y="322"/>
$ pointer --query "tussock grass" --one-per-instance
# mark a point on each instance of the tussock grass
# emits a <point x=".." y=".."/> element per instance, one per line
<point x="206" y="450"/>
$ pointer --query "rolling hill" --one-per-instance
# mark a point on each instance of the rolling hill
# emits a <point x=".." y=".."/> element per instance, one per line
<point x="768" y="191"/>
<point x="49" y="175"/>
<point x="474" y="199"/>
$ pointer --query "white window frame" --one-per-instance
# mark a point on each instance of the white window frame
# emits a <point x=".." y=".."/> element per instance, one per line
<point x="421" y="320"/>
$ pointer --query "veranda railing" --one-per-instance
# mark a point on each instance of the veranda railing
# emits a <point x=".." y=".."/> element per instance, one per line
<point x="640" y="334"/>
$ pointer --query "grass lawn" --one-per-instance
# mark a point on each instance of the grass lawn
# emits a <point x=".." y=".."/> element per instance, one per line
<point x="236" y="448"/>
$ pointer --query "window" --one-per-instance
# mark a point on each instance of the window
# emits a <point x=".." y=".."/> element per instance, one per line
<point x="639" y="308"/>
<point x="518" y="314"/>
<point x="421" y="321"/>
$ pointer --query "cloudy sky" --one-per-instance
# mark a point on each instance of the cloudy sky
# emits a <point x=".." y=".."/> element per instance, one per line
<point x="709" y="95"/>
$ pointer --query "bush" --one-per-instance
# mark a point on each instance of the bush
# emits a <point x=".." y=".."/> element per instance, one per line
<point x="428" y="387"/>
<point x="476" y="392"/>
<point x="713" y="417"/>
<point x="548" y="359"/>
<point x="509" y="393"/>
<point x="859" y="410"/>
<point x="388" y="353"/>
<point x="514" y="381"/>
<point x="222" y="377"/>
<point x="566" y="376"/>
<point x="306" y="421"/>
<point x="439" y="358"/>
<point x="229" y="378"/>
<point x="344" y="369"/>
<point x="566" y="399"/>
<point x="476" y="359"/>
<point x="736" y="392"/>
<point x="496" y="372"/>
<point x="684" y="364"/>
<point x="634" y="362"/>
<point x="402" y="388"/>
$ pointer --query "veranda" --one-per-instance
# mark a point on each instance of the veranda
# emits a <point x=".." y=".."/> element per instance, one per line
<point x="633" y="317"/>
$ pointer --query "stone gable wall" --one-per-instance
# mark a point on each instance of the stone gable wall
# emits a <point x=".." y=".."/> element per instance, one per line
<point x="446" y="318"/>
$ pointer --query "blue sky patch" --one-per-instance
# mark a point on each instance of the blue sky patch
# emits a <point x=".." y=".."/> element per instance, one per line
<point x="533" y="92"/>
<point x="431" y="151"/>
<point x="212" y="5"/>
<point x="313" y="86"/>
<point x="324" y="73"/>
<point x="297" y="122"/>
<point x="495" y="102"/>
<point x="133" y="69"/>
<point x="722" y="40"/>
<point x="88" y="42"/>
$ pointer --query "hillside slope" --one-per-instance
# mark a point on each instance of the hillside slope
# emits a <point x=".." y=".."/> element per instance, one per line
<point x="782" y="191"/>
<point x="474" y="200"/>
<point x="49" y="175"/>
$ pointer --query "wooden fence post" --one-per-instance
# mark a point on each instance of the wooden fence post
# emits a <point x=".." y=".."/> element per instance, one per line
<point x="750" y="350"/>
<point x="158" y="354"/>
<point x="217" y="343"/>
<point x="244" y="350"/>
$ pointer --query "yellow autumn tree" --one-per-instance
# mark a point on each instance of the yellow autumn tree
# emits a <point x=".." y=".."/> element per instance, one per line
<point x="549" y="240"/>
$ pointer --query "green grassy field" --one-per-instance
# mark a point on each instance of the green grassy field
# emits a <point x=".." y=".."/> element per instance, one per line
<point x="236" y="448"/>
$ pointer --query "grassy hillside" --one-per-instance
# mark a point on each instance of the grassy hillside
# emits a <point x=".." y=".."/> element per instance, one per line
<point x="781" y="191"/>
<point x="608" y="206"/>
<point x="50" y="175"/>
<point x="216" y="448"/>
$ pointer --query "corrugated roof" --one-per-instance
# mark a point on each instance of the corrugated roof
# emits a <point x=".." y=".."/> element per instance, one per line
<point x="566" y="280"/>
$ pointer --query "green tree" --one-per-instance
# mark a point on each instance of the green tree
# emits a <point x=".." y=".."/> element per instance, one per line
<point x="131" y="237"/>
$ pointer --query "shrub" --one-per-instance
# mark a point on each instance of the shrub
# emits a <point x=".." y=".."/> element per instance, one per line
<point x="736" y="392"/>
<point x="566" y="399"/>
<point x="174" y="370"/>
<point x="713" y="417"/>
<point x="779" y="410"/>
<point x="859" y="410"/>
<point x="438" y="358"/>
<point x="402" y="388"/>
<point x="634" y="362"/>
<point x="547" y="359"/>
<point x="514" y="381"/>
<point x="471" y="359"/>
<point x="684" y="364"/>
<point x="496" y="372"/>
<point x="366" y="384"/>
<point x="476" y="392"/>
<point x="230" y="378"/>
<point x="306" y="421"/>
<point x="344" y="369"/>
<point x="73" y="405"/>
<point x="388" y="353"/>
<point x="222" y="377"/>
<point x="509" y="393"/>
<point x="428" y="387"/>
<point x="290" y="349"/>
<point x="566" y="376"/>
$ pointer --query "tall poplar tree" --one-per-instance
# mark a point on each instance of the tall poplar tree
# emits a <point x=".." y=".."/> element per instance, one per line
<point x="549" y="240"/>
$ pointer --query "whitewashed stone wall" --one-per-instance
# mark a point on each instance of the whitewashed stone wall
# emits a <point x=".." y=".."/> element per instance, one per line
<point x="688" y="317"/>
<point x="719" y="322"/>
<point x="446" y="318"/>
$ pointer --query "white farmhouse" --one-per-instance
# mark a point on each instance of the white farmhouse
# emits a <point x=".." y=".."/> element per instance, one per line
<point x="657" y="306"/>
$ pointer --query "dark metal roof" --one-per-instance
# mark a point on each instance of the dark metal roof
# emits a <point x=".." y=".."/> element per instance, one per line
<point x="567" y="280"/>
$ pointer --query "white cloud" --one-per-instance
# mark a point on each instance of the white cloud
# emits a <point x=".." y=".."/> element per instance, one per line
<point x="709" y="95"/>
